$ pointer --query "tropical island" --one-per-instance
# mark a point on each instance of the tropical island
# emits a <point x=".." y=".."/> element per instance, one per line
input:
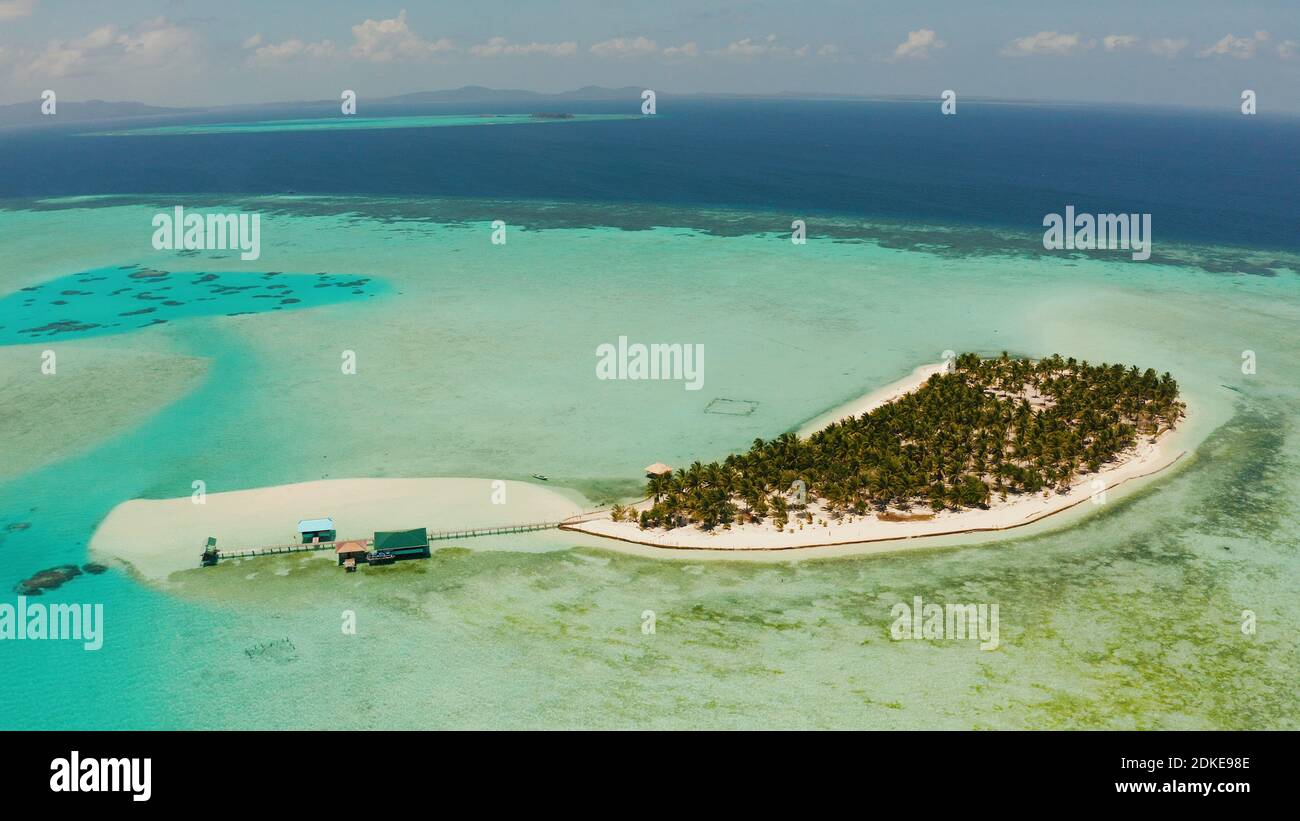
<point x="958" y="447"/>
<point x="975" y="444"/>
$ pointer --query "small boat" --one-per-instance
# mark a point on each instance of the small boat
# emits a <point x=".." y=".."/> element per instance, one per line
<point x="380" y="557"/>
<point x="541" y="477"/>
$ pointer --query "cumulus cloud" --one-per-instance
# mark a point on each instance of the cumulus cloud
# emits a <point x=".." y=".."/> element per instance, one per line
<point x="623" y="47"/>
<point x="387" y="41"/>
<point x="500" y="47"/>
<point x="13" y="9"/>
<point x="1119" y="42"/>
<point x="155" y="43"/>
<point x="375" y="41"/>
<point x="1241" y="48"/>
<point x="750" y="49"/>
<point x="1048" y="43"/>
<point x="917" y="46"/>
<point x="1168" y="47"/>
<point x="273" y="53"/>
<point x="685" y="51"/>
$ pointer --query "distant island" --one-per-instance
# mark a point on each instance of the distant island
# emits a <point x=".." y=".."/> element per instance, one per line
<point x="977" y="444"/>
<point x="341" y="123"/>
<point x="29" y="112"/>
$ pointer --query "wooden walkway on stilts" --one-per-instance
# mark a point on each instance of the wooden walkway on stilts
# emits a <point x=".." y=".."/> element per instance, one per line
<point x="433" y="536"/>
<point x="443" y="535"/>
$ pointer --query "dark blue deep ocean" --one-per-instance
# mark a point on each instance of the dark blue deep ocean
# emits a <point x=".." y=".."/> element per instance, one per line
<point x="1209" y="177"/>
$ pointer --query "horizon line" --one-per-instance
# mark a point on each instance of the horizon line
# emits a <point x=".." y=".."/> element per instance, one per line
<point x="810" y="96"/>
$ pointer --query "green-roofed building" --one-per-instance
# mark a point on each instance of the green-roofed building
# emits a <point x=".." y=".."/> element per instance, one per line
<point x="403" y="544"/>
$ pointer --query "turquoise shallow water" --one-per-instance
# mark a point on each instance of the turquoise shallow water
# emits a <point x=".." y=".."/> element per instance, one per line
<point x="480" y="360"/>
<point x="122" y="298"/>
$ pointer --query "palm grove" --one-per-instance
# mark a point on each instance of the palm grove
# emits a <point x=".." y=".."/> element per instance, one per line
<point x="986" y="427"/>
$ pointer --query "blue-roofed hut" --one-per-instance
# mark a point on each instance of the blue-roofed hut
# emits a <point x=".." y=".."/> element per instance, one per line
<point x="316" y="530"/>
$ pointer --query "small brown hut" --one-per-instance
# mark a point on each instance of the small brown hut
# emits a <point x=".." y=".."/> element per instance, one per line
<point x="354" y="551"/>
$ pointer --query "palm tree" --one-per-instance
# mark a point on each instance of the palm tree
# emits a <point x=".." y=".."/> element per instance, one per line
<point x="955" y="441"/>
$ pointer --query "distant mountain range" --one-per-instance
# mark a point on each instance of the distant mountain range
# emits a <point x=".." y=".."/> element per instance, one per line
<point x="17" y="114"/>
<point x="29" y="114"/>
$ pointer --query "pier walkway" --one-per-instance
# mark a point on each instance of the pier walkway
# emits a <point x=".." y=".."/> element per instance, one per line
<point x="433" y="536"/>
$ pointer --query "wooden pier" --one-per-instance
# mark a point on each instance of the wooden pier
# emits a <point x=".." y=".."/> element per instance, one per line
<point x="271" y="550"/>
<point x="433" y="536"/>
<point x="443" y="535"/>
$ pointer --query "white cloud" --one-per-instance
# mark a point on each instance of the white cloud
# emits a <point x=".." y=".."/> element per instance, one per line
<point x="621" y="47"/>
<point x="750" y="49"/>
<point x="274" y="53"/>
<point x="685" y="51"/>
<point x="1048" y="43"/>
<point x="58" y="59"/>
<point x="156" y="43"/>
<point x="1119" y="42"/>
<point x="1288" y="49"/>
<point x="375" y="41"/>
<point x="1168" y="47"/>
<point x="386" y="41"/>
<point x="747" y="49"/>
<point x="917" y="46"/>
<point x="13" y="9"/>
<point x="500" y="47"/>
<point x="1241" y="48"/>
<point x="153" y="44"/>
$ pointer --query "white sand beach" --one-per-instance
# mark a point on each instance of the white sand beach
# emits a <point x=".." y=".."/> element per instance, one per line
<point x="873" y="400"/>
<point x="160" y="537"/>
<point x="1147" y="459"/>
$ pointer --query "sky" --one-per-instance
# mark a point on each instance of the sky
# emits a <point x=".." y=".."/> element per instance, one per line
<point x="1201" y="53"/>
